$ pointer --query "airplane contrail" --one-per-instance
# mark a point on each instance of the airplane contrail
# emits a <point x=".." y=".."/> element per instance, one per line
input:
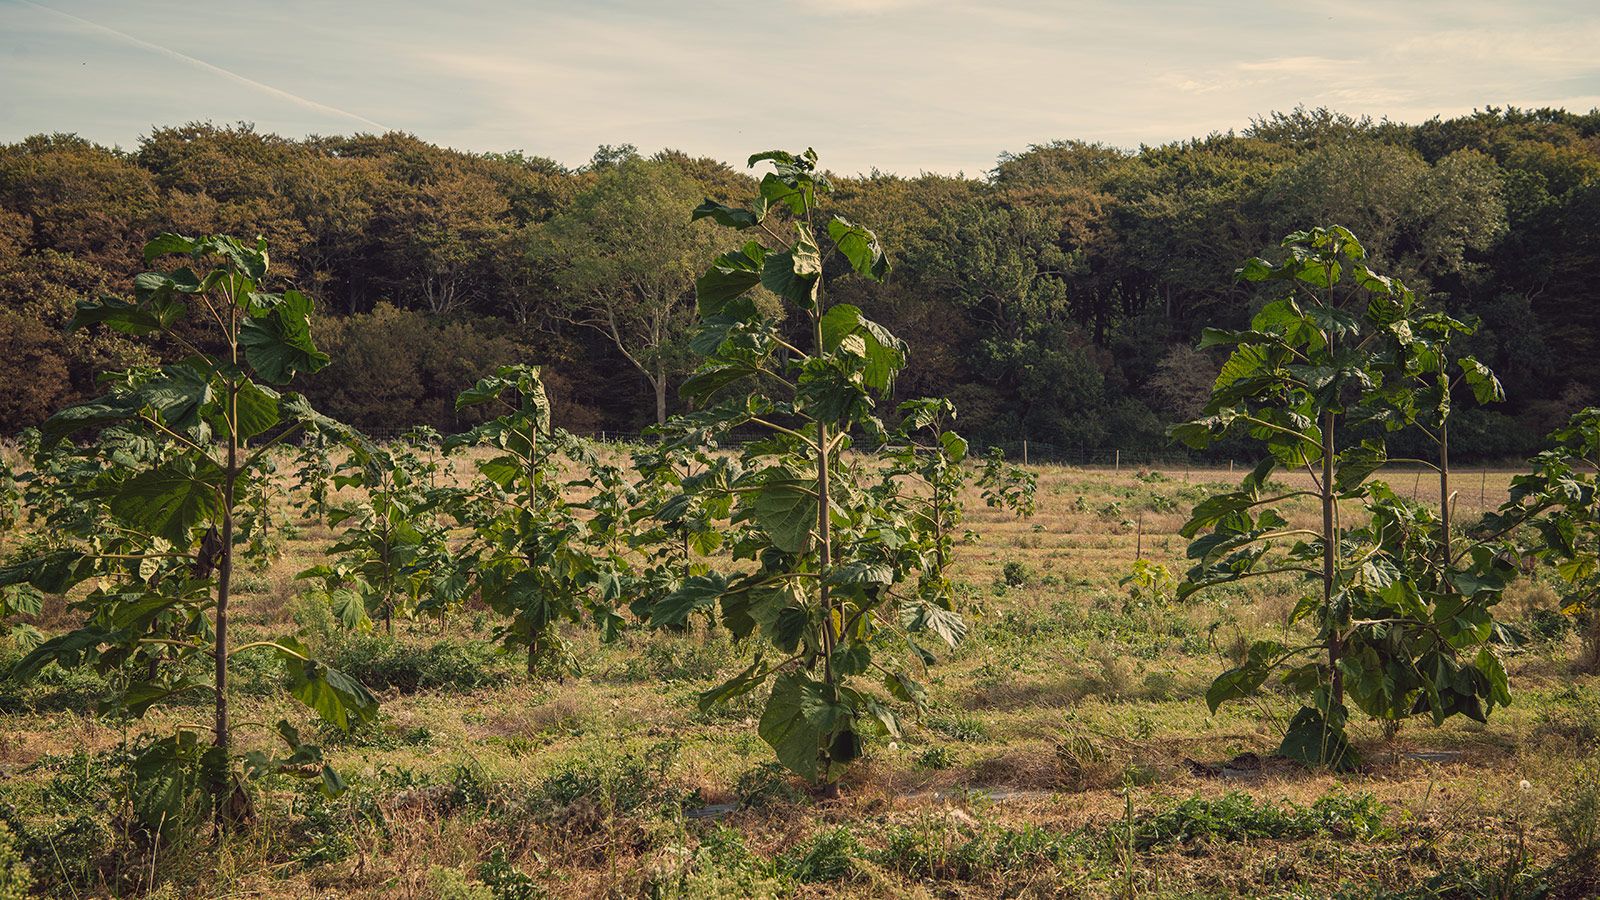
<point x="217" y="70"/>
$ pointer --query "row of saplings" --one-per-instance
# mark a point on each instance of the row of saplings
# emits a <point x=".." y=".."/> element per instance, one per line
<point x="832" y="563"/>
<point x="833" y="531"/>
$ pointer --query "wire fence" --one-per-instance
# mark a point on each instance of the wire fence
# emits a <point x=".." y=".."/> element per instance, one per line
<point x="1027" y="452"/>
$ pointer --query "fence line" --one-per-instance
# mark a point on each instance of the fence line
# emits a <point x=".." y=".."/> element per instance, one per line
<point x="1024" y="451"/>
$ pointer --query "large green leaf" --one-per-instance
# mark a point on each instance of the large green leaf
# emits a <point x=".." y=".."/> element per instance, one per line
<point x="278" y="343"/>
<point x="170" y="500"/>
<point x="793" y="274"/>
<point x="349" y="607"/>
<point x="840" y="321"/>
<point x="697" y="593"/>
<point x="846" y="330"/>
<point x="782" y="188"/>
<point x="258" y="409"/>
<point x="129" y="318"/>
<point x="860" y="572"/>
<point x="1314" y="741"/>
<point x="860" y="246"/>
<point x="170" y="782"/>
<point x="737" y="686"/>
<point x="165" y="244"/>
<point x="797" y="717"/>
<point x="140" y="696"/>
<point x="66" y="651"/>
<point x="921" y="615"/>
<point x="1246" y="679"/>
<point x="1485" y="386"/>
<point x="339" y="699"/>
<point x="729" y="276"/>
<point x="182" y="396"/>
<point x="53" y="572"/>
<point x="729" y="216"/>
<point x="247" y="261"/>
<point x="786" y="509"/>
<point x="93" y="414"/>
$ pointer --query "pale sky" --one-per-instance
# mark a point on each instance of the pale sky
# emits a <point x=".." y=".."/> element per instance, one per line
<point x="900" y="85"/>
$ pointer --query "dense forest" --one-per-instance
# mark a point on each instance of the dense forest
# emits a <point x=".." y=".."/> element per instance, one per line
<point x="1056" y="298"/>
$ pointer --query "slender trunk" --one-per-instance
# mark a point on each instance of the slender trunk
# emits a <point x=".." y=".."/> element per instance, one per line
<point x="222" y="739"/>
<point x="387" y="606"/>
<point x="825" y="550"/>
<point x="1444" y="490"/>
<point x="535" y="644"/>
<point x="1330" y="549"/>
<point x="1591" y="661"/>
<point x="659" y="382"/>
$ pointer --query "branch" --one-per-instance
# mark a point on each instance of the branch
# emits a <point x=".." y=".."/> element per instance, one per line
<point x="789" y="431"/>
<point x="272" y="644"/>
<point x="260" y="451"/>
<point x="186" y="442"/>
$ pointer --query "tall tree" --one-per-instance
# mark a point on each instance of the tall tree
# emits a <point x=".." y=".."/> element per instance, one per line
<point x="624" y="259"/>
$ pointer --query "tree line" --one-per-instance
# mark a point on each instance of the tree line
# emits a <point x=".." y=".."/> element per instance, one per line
<point x="1057" y="297"/>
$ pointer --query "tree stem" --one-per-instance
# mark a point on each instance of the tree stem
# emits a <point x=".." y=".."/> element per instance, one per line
<point x="1330" y="549"/>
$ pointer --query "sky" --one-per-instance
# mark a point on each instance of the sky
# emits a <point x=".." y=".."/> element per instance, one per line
<point x="902" y="86"/>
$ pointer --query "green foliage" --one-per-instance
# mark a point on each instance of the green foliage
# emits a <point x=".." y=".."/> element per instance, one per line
<point x="532" y="557"/>
<point x="1236" y="816"/>
<point x="724" y="867"/>
<point x="843" y="561"/>
<point x="506" y="881"/>
<point x="173" y="478"/>
<point x="392" y="557"/>
<point x="679" y="511"/>
<point x="937" y="848"/>
<point x="623" y="260"/>
<point x="385" y="663"/>
<point x="314" y="471"/>
<point x="10" y="495"/>
<point x="1149" y="584"/>
<point x="830" y="855"/>
<point x="1044" y="296"/>
<point x="957" y="726"/>
<point x="1403" y="621"/>
<point x="15" y="879"/>
<point x="1557" y="505"/>
<point x="44" y="366"/>
<point x="394" y="367"/>
<point x="1015" y="574"/>
<point x="1007" y="486"/>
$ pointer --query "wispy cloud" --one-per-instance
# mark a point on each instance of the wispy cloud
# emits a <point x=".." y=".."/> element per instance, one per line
<point x="901" y="85"/>
<point x="212" y="68"/>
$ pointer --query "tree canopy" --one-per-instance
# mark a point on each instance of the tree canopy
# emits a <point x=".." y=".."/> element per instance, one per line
<point x="1056" y="298"/>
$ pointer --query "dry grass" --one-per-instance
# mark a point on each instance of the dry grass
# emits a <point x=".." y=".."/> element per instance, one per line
<point x="1063" y="700"/>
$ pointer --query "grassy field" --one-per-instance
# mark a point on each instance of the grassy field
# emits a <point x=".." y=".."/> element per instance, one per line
<point x="1067" y="751"/>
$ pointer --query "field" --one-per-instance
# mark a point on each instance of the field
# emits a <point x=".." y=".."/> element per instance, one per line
<point x="1067" y="750"/>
